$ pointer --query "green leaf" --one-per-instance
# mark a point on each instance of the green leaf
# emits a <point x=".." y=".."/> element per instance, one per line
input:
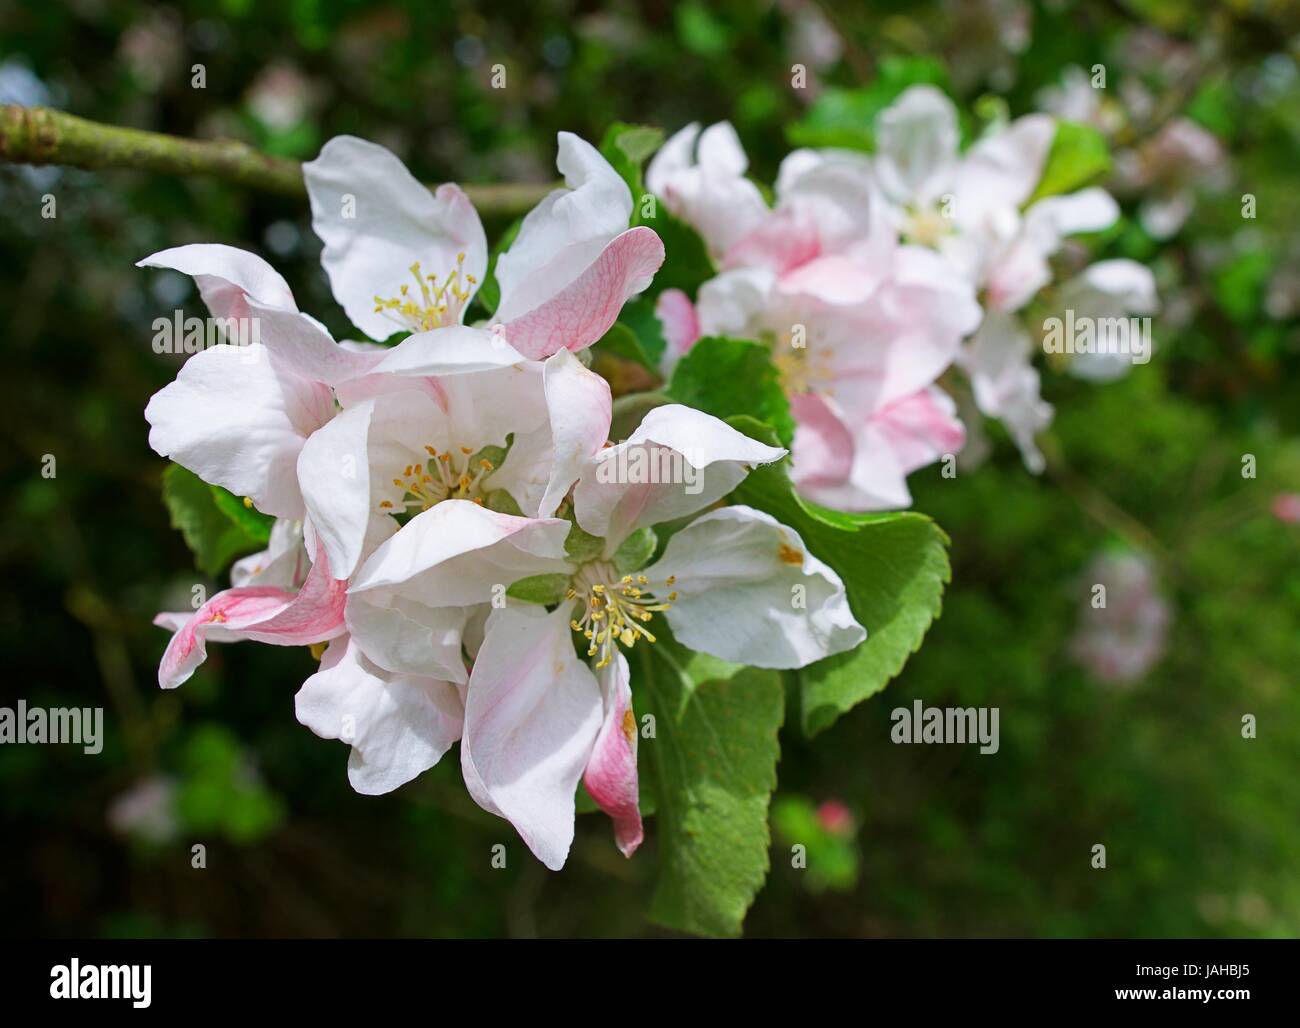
<point x="713" y="765"/>
<point x="255" y="524"/>
<point x="213" y="537"/>
<point x="699" y="31"/>
<point x="488" y="296"/>
<point x="687" y="264"/>
<point x="621" y="341"/>
<point x="1079" y="155"/>
<point x="627" y="147"/>
<point x="728" y="377"/>
<point x="894" y="567"/>
<point x="639" y="315"/>
<point x="541" y="589"/>
<point x="846" y="117"/>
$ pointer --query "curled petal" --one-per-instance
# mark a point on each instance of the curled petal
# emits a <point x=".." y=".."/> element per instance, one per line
<point x="611" y="775"/>
<point x="677" y="461"/>
<point x="226" y="276"/>
<point x="581" y="312"/>
<point x="260" y="613"/>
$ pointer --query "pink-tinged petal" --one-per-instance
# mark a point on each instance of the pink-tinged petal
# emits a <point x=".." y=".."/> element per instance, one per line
<point x="674" y="157"/>
<point x="735" y="570"/>
<point x="227" y="277"/>
<point x="532" y="714"/>
<point x="580" y="407"/>
<point x="611" y="776"/>
<point x="1016" y="275"/>
<point x="832" y="280"/>
<point x="782" y="242"/>
<point x="455" y="350"/>
<point x="376" y="221"/>
<point x="399" y="726"/>
<point x="711" y="193"/>
<point x="231" y="611"/>
<point x="454" y="553"/>
<point x="236" y="420"/>
<point x="922" y="428"/>
<point x="677" y="462"/>
<point x="822" y="451"/>
<point x="583" y="310"/>
<point x="837" y="199"/>
<point x="680" y="322"/>
<point x="563" y="235"/>
<point x="259" y="613"/>
<point x="314" y="615"/>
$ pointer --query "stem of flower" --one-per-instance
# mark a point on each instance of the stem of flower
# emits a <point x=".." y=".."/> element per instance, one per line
<point x="41" y="135"/>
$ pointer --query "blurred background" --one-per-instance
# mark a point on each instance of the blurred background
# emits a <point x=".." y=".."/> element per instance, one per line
<point x="1121" y="727"/>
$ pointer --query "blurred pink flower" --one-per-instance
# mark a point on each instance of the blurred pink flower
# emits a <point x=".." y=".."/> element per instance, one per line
<point x="1122" y="640"/>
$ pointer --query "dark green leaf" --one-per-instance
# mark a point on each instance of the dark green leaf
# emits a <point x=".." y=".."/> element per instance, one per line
<point x="713" y="765"/>
<point x="730" y="377"/>
<point x="213" y="537"/>
<point x="894" y="566"/>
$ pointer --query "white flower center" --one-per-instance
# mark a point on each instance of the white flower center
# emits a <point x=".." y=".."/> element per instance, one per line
<point x="803" y="369"/>
<point x="435" y="306"/>
<point x="615" y="609"/>
<point x="444" y="476"/>
<point x="926" y="226"/>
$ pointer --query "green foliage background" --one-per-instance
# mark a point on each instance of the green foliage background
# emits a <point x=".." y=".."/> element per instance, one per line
<point x="1202" y="828"/>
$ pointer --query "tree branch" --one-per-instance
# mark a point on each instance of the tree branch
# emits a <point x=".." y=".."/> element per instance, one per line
<point x="41" y="135"/>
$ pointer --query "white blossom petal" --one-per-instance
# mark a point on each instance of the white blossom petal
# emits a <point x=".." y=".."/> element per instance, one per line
<point x="532" y="713"/>
<point x="750" y="592"/>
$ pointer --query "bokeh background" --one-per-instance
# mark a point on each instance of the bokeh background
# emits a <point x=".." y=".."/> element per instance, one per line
<point x="1201" y="826"/>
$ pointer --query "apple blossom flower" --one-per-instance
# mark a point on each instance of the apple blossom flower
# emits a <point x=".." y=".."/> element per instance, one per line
<point x="147" y="811"/>
<point x="538" y="719"/>
<point x="968" y="206"/>
<point x="700" y="176"/>
<point x="402" y="259"/>
<point x="1122" y="640"/>
<point x="1106" y="290"/>
<point x="238" y="415"/>
<point x="1286" y="508"/>
<point x="860" y="326"/>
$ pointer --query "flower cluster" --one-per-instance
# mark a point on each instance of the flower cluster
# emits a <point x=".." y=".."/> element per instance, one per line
<point x="892" y="285"/>
<point x="456" y="533"/>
